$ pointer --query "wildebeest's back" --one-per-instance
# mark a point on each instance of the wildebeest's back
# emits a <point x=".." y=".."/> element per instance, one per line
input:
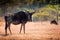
<point x="21" y="17"/>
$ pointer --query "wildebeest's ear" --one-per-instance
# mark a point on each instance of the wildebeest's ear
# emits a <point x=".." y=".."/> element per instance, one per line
<point x="35" y="11"/>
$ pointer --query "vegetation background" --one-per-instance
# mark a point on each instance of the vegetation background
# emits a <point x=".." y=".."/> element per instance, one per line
<point x="46" y="9"/>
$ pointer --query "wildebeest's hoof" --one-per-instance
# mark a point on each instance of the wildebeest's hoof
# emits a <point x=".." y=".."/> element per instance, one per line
<point x="6" y="34"/>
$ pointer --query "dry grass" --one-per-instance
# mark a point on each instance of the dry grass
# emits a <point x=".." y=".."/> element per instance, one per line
<point x="34" y="31"/>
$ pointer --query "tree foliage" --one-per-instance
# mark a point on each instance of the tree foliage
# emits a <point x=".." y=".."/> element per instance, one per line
<point x="29" y="2"/>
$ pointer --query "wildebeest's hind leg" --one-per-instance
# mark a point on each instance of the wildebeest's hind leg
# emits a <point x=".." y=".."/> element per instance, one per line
<point x="7" y="24"/>
<point x="5" y="28"/>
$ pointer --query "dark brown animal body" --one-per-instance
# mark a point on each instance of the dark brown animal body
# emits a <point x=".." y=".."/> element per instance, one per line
<point x="18" y="18"/>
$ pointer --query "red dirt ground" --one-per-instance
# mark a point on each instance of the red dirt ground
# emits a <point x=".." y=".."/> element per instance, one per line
<point x="34" y="31"/>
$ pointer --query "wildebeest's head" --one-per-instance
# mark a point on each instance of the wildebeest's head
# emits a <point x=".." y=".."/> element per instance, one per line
<point x="29" y="15"/>
<point x="54" y="22"/>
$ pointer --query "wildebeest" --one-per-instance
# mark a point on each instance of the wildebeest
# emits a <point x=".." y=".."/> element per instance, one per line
<point x="54" y="22"/>
<point x="18" y="18"/>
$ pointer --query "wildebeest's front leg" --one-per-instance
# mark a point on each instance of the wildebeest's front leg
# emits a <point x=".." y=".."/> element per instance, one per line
<point x="24" y="28"/>
<point x="20" y="29"/>
<point x="22" y="25"/>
